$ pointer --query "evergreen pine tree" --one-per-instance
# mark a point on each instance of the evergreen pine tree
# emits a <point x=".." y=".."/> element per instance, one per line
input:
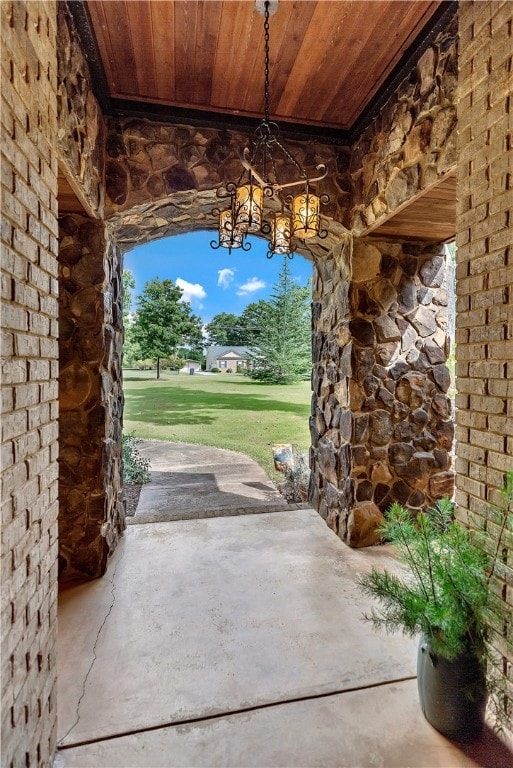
<point x="284" y="354"/>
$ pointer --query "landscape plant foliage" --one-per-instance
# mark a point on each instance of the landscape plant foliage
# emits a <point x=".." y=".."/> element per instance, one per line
<point x="282" y="351"/>
<point x="163" y="322"/>
<point x="294" y="486"/>
<point x="448" y="591"/>
<point x="135" y="466"/>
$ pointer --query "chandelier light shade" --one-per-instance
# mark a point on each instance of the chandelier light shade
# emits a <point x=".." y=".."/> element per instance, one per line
<point x="249" y="204"/>
<point x="261" y="178"/>
<point x="306" y="215"/>
<point x="229" y="235"/>
<point x="281" y="234"/>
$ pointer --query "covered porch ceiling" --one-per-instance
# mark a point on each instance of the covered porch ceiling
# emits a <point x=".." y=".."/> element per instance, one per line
<point x="333" y="64"/>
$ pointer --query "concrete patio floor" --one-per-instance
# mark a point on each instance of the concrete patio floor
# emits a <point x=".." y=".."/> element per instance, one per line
<point x="238" y="641"/>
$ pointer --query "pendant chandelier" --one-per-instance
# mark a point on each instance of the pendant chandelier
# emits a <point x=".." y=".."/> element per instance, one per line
<point x="291" y="217"/>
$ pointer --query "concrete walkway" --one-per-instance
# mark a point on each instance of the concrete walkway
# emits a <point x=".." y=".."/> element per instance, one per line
<point x="238" y="641"/>
<point x="191" y="481"/>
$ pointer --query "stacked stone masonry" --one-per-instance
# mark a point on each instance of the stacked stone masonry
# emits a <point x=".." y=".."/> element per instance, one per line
<point x="81" y="132"/>
<point x="484" y="272"/>
<point x="402" y="427"/>
<point x="380" y="385"/>
<point x="331" y="487"/>
<point x="162" y="179"/>
<point x="91" y="398"/>
<point x="412" y="144"/>
<point x="29" y="350"/>
<point x="381" y="422"/>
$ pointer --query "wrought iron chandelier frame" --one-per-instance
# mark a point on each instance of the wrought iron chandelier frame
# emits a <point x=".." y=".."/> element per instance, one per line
<point x="299" y="215"/>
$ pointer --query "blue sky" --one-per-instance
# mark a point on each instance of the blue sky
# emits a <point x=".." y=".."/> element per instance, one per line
<point x="212" y="281"/>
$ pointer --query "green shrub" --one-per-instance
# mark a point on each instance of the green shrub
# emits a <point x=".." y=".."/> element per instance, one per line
<point x="447" y="592"/>
<point x="135" y="466"/>
<point x="229" y="370"/>
<point x="144" y="365"/>
<point x="214" y="370"/>
<point x="297" y="479"/>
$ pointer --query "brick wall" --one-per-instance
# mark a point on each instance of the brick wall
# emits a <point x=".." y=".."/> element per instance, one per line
<point x="484" y="272"/>
<point x="29" y="382"/>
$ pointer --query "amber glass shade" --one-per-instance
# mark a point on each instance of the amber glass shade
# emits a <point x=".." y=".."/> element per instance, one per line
<point x="229" y="236"/>
<point x="281" y="234"/>
<point x="305" y="215"/>
<point x="249" y="207"/>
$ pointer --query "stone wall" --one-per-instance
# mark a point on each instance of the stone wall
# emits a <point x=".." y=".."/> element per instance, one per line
<point x="331" y="486"/>
<point x="91" y="401"/>
<point x="91" y="398"/>
<point x="402" y="428"/>
<point x="412" y="143"/>
<point x="381" y="421"/>
<point x="484" y="271"/>
<point x="149" y="162"/>
<point x="81" y="126"/>
<point x="29" y="382"/>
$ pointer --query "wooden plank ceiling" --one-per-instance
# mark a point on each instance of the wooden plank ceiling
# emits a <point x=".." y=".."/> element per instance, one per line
<point x="430" y="217"/>
<point x="328" y="58"/>
<point x="67" y="197"/>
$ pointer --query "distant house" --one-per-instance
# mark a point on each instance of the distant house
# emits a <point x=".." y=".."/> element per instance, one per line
<point x="227" y="357"/>
<point x="188" y="364"/>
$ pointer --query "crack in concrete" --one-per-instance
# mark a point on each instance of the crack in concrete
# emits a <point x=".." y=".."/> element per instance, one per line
<point x="229" y="713"/>
<point x="60" y="744"/>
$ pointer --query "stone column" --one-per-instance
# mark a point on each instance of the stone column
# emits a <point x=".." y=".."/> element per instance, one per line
<point x="402" y="429"/>
<point x="91" y="399"/>
<point x="330" y="423"/>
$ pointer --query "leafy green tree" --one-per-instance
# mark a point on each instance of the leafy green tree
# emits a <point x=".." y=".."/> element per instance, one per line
<point x="163" y="321"/>
<point x="282" y="352"/>
<point x="128" y="287"/>
<point x="225" y="329"/>
<point x="131" y="350"/>
<point x="195" y="339"/>
<point x="255" y="317"/>
<point x="174" y="362"/>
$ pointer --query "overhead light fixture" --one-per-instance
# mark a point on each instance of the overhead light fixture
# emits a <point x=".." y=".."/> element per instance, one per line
<point x="264" y="166"/>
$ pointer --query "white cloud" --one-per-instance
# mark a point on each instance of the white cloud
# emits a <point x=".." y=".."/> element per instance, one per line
<point x="252" y="285"/>
<point x="225" y="277"/>
<point x="192" y="292"/>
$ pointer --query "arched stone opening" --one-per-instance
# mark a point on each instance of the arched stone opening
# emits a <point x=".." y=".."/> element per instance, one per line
<point x="160" y="180"/>
<point x="91" y="343"/>
<point x="381" y="426"/>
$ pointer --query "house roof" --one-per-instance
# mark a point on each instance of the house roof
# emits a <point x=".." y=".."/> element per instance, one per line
<point x="224" y="351"/>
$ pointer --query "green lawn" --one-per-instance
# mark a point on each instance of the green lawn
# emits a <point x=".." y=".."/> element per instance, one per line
<point x="223" y="410"/>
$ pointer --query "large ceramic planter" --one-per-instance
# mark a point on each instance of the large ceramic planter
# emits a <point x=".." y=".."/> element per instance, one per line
<point x="452" y="693"/>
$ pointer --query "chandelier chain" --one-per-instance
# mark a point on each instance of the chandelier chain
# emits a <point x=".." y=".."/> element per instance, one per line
<point x="266" y="86"/>
<point x="259" y="180"/>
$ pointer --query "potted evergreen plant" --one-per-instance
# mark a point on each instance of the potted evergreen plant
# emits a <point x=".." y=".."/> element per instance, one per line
<point x="447" y="596"/>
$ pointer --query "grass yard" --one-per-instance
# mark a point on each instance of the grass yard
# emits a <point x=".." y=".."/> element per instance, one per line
<point x="222" y="410"/>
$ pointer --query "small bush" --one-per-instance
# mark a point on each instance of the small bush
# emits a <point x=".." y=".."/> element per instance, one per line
<point x="229" y="370"/>
<point x="295" y="485"/>
<point x="214" y="370"/>
<point x="144" y="365"/>
<point x="135" y="466"/>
